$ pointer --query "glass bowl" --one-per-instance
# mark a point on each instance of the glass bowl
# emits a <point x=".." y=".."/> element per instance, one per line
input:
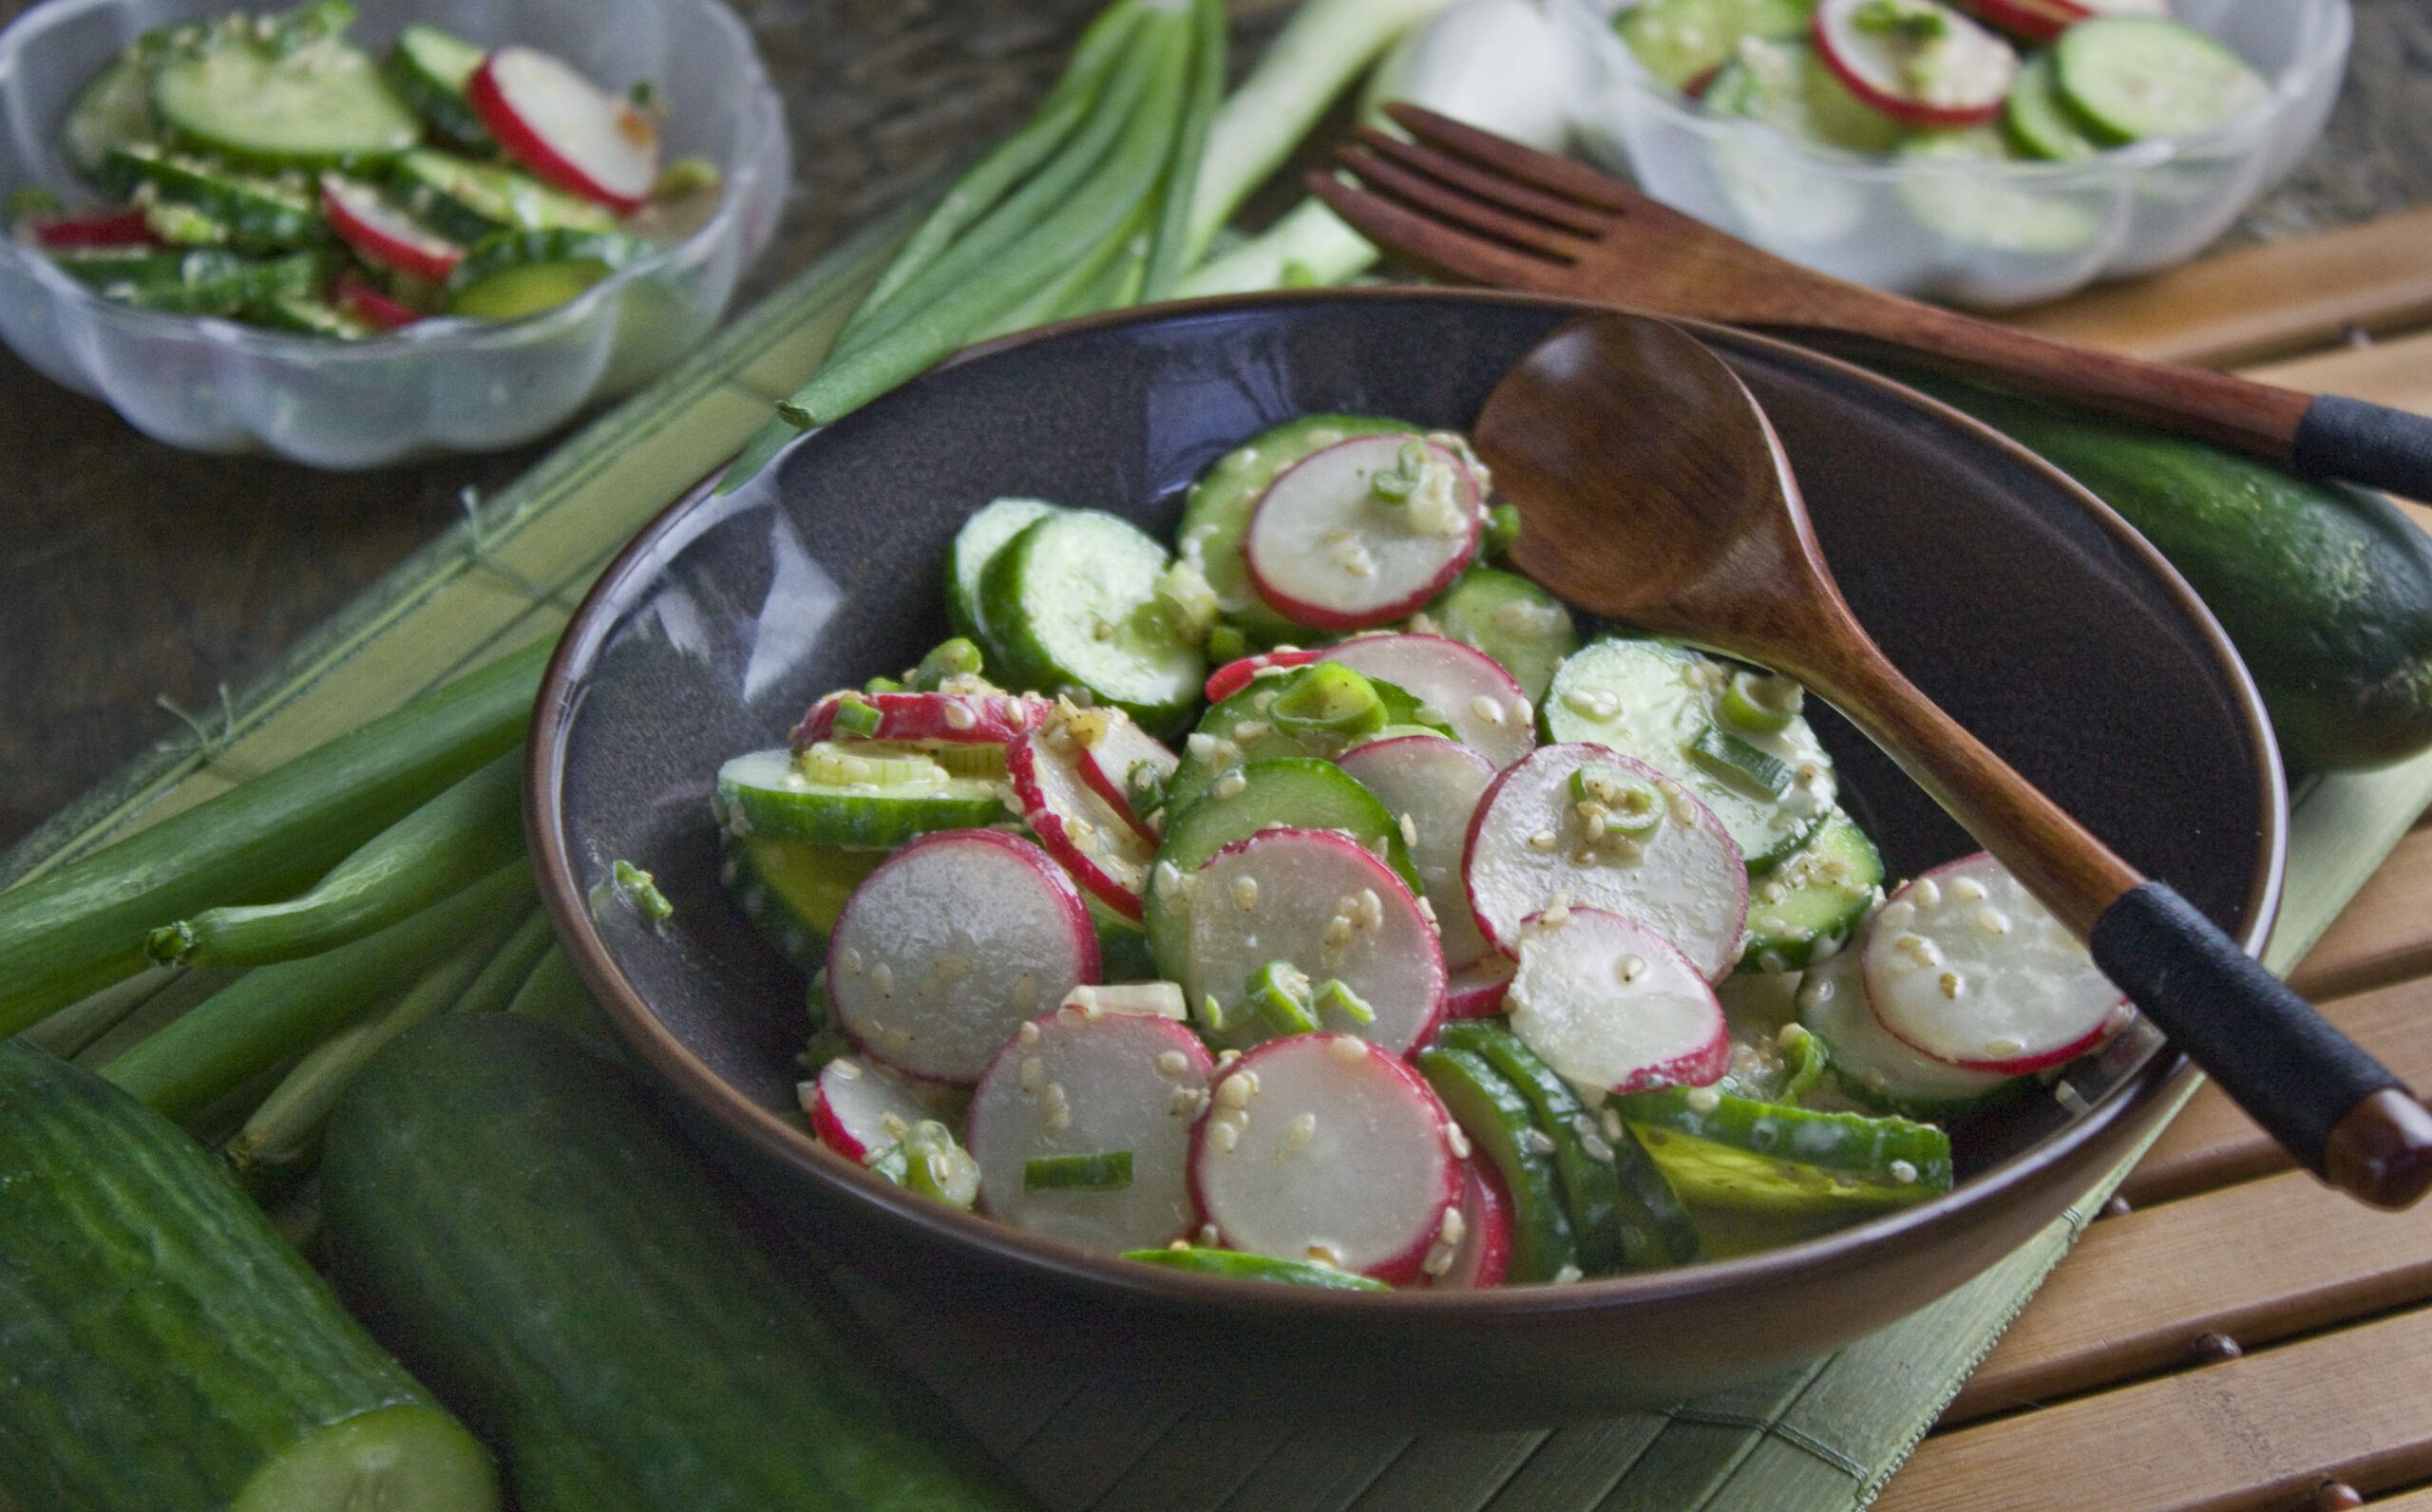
<point x="438" y="385"/>
<point x="1987" y="234"/>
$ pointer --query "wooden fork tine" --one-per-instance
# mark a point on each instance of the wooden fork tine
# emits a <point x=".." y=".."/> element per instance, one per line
<point x="1559" y="176"/>
<point x="1424" y="193"/>
<point x="1432" y="244"/>
<point x="1493" y="188"/>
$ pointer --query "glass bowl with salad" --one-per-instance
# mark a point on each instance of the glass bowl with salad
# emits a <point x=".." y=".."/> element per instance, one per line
<point x="1986" y="152"/>
<point x="1126" y="860"/>
<point x="352" y="233"/>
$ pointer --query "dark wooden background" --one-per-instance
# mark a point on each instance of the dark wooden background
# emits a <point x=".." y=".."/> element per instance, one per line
<point x="133" y="576"/>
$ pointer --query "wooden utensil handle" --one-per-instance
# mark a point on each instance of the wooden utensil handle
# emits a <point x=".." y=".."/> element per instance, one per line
<point x="2366" y="444"/>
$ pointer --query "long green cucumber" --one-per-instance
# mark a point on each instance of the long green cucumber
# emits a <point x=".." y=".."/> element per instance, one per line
<point x="167" y="1349"/>
<point x="82" y="927"/>
<point x="523" y="1227"/>
<point x="2326" y="590"/>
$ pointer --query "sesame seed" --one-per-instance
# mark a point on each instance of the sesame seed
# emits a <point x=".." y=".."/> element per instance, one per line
<point x="1438" y="1260"/>
<point x="1166" y="877"/>
<point x="1594" y="819"/>
<point x="1537" y="1140"/>
<point x="1928" y="893"/>
<point x="1301" y="1131"/>
<point x="1184" y="1103"/>
<point x="893" y="1123"/>
<point x="1028" y="1035"/>
<point x="1774" y="892"/>
<point x="1450" y="1230"/>
<point x="1559" y="897"/>
<point x="1544" y="839"/>
<point x="1597" y="1149"/>
<point x="1555" y="917"/>
<point x="1372" y="909"/>
<point x="850" y="959"/>
<point x="1059" y="1109"/>
<point x="1568" y="1274"/>
<point x="1244" y="889"/>
<point x="1430" y="714"/>
<point x="1348" y="1049"/>
<point x="1325" y="1253"/>
<point x="1426" y="911"/>
<point x="1409" y="830"/>
<point x="846" y="1069"/>
<point x="1487" y="710"/>
<point x="1338" y="933"/>
<point x="1967" y="890"/>
<point x="1581" y="701"/>
<point x="1034" y="1072"/>
<point x="959" y="714"/>
<point x="1234" y="1092"/>
<point x="1902" y="1172"/>
<point x="1227" y="1057"/>
<point x="1025" y="992"/>
<point x="1250" y="732"/>
<point x="1950" y="984"/>
<point x="1521" y="712"/>
<point x="2003" y="1048"/>
<point x="1897" y="914"/>
<point x="1208" y="1234"/>
<point x="1225" y="1134"/>
<point x="1201" y="745"/>
<point x="1172" y="1063"/>
<point x="1459" y="1138"/>
<point x="1335" y="538"/>
<point x="884" y="976"/>
<point x="1630" y="968"/>
<point x="1703" y="1098"/>
<point x="1991" y="921"/>
<point x="1230" y="784"/>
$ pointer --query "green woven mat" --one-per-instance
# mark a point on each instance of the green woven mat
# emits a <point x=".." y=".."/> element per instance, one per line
<point x="1820" y="1439"/>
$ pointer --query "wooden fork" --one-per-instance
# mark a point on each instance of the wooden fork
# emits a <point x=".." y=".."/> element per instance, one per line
<point x="1471" y="205"/>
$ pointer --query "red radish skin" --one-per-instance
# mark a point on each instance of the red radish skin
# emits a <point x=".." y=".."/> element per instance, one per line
<point x="2042" y="21"/>
<point x="1608" y="1002"/>
<point x="1365" y="1184"/>
<point x="384" y="234"/>
<point x="1235" y="675"/>
<point x="959" y="719"/>
<point x="1965" y="967"/>
<point x="1322" y="555"/>
<point x="953" y="942"/>
<point x="1874" y="74"/>
<point x="564" y="128"/>
<point x="1075" y="1082"/>
<point x="1486" y="708"/>
<point x="850" y="1101"/>
<point x="1483" y="1256"/>
<point x="1478" y="990"/>
<point x="1091" y="840"/>
<point x="117" y="228"/>
<point x="1107" y="760"/>
<point x="369" y="304"/>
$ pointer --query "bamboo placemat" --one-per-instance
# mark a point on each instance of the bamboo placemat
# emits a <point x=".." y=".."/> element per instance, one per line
<point x="1818" y="1439"/>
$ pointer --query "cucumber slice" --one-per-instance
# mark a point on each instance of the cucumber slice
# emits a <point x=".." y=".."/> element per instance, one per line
<point x="261" y="214"/>
<point x="1500" y="1122"/>
<point x="1874" y="1067"/>
<point x="1682" y="42"/>
<point x="509" y="275"/>
<point x="2040" y="121"/>
<point x="429" y="68"/>
<point x="114" y="110"/>
<point x="309" y="316"/>
<point x="1072" y="601"/>
<point x="1656" y="701"/>
<point x="975" y="546"/>
<point x="1810" y="907"/>
<point x="1216" y="514"/>
<point x="1731" y="1152"/>
<point x="280" y="103"/>
<point x="470" y="200"/>
<point x="1245" y="726"/>
<point x="1785" y="85"/>
<point x="1203" y="1260"/>
<point x="1979" y="212"/>
<point x="2133" y="77"/>
<point x="207" y="281"/>
<point x="793" y="889"/>
<point x="1507" y="616"/>
<point x="773" y="794"/>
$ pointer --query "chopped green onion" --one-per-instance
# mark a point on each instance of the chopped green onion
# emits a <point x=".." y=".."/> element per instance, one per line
<point x="1629" y="804"/>
<point x="1212" y="1014"/>
<point x="640" y="892"/>
<point x="1502" y="531"/>
<point x="1227" y="643"/>
<point x="1761" y="702"/>
<point x="1342" y="999"/>
<point x="1327" y="697"/>
<point x="1100" y="1171"/>
<point x="957" y="657"/>
<point x="1734" y="761"/>
<point x="854" y="717"/>
<point x="1280" y="991"/>
<point x="1803" y="1061"/>
<point x="936" y="1167"/>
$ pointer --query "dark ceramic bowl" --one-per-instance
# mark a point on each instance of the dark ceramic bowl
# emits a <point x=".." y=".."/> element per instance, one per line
<point x="2008" y="592"/>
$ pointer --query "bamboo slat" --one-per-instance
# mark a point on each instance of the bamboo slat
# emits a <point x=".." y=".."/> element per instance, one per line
<point x="2384" y="935"/>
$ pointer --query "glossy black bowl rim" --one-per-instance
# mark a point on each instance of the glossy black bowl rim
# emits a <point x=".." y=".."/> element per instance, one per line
<point x="1124" y="1283"/>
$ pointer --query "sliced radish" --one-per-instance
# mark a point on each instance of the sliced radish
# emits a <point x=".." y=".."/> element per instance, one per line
<point x="1073" y="1085"/>
<point x="1114" y="752"/>
<point x="1478" y="990"/>
<point x="1148" y="999"/>
<point x="1963" y="965"/>
<point x="1432" y="787"/>
<point x="369" y="304"/>
<point x="2043" y="20"/>
<point x="1318" y="1148"/>
<point x="564" y="128"/>
<point x="1530" y="848"/>
<point x="1482" y="1255"/>
<point x="383" y="233"/>
<point x="968" y="718"/>
<point x="1608" y="1002"/>
<point x="1235" y="675"/>
<point x="1093" y="840"/>
<point x="1953" y="73"/>
<point x="1315" y="898"/>
<point x="110" y="228"/>
<point x="1325" y="550"/>
<point x="1484" y="705"/>
<point x="950" y="944"/>
<point x="858" y="1107"/>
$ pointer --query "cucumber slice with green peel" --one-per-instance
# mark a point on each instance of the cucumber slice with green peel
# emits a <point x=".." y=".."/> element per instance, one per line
<point x="1216" y="514"/>
<point x="1432" y="787"/>
<point x="1299" y="792"/>
<point x="1124" y="955"/>
<point x="261" y="214"/>
<point x="113" y="111"/>
<point x="183" y="226"/>
<point x="469" y="201"/>
<point x="1684" y="41"/>
<point x="1072" y="602"/>
<point x="1977" y="211"/>
<point x="431" y="69"/>
<point x="2128" y="78"/>
<point x="1810" y="907"/>
<point x="1786" y="86"/>
<point x="205" y="281"/>
<point x="1524" y="628"/>
<point x="1657" y="702"/>
<point x="1871" y="1065"/>
<point x="267" y="104"/>
<point x="1503" y="1127"/>
<point x="772" y="794"/>
<point x="2040" y="121"/>
<point x="509" y="274"/>
<point x="1730" y="1152"/>
<point x="309" y="316"/>
<point x="1247" y="726"/>
<point x="1203" y="1261"/>
<point x="793" y="889"/>
<point x="975" y="546"/>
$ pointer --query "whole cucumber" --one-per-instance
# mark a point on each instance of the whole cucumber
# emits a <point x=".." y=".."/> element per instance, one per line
<point x="161" y="1348"/>
<point x="519" y="1222"/>
<point x="2324" y="590"/>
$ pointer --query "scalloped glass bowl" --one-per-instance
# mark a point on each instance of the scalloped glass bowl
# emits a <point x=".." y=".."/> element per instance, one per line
<point x="1987" y="234"/>
<point x="439" y="386"/>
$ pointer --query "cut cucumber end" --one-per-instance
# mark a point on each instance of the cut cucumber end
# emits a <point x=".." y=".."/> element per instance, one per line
<point x="407" y="1458"/>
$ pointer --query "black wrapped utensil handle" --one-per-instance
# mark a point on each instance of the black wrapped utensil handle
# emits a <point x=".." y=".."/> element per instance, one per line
<point x="2342" y="1114"/>
<point x="2368" y="443"/>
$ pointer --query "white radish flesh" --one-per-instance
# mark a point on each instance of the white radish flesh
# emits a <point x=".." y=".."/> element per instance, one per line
<point x="1325" y="550"/>
<point x="1957" y="76"/>
<point x="1318" y="1148"/>
<point x="1485" y="707"/>
<point x="1608" y="1002"/>
<point x="1072" y="1082"/>
<point x="1832" y="1003"/>
<point x="1111" y="752"/>
<point x="1478" y="990"/>
<point x="1094" y="839"/>
<point x="564" y="128"/>
<point x="859" y="1106"/>
<point x="950" y="944"/>
<point x="1317" y="899"/>
<point x="1531" y="848"/>
<point x="1482" y="1255"/>
<point x="974" y="719"/>
<point x="1432" y="787"/>
<point x="383" y="233"/>
<point x="1963" y="965"/>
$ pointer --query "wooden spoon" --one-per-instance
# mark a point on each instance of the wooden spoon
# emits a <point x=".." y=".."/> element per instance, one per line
<point x="1653" y="490"/>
